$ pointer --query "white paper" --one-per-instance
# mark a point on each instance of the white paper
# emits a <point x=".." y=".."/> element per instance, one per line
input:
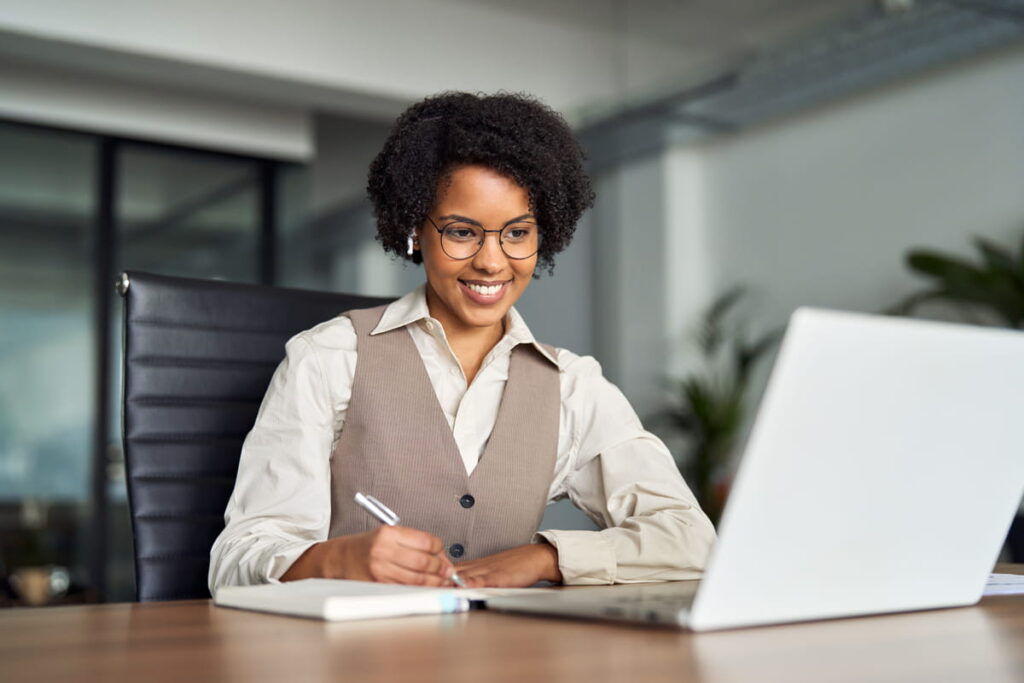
<point x="1004" y="584"/>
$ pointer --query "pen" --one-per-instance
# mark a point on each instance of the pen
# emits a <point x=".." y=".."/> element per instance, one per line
<point x="385" y="515"/>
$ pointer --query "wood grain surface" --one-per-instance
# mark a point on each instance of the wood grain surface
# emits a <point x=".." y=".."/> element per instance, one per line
<point x="195" y="641"/>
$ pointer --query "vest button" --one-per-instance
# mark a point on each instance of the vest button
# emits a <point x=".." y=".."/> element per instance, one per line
<point x="456" y="550"/>
<point x="467" y="501"/>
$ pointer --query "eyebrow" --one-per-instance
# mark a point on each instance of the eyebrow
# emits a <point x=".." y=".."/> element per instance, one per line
<point x="464" y="219"/>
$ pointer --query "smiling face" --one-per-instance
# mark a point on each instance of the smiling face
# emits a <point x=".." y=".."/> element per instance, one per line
<point x="474" y="294"/>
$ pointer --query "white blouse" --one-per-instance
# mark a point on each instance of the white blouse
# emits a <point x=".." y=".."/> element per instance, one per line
<point x="621" y="476"/>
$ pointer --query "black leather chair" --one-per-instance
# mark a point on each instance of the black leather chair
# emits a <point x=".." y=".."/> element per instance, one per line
<point x="198" y="356"/>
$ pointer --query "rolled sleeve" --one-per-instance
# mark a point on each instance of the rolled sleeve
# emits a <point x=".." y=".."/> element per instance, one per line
<point x="624" y="479"/>
<point x="585" y="558"/>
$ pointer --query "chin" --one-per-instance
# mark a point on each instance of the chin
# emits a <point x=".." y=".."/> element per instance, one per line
<point x="484" y="319"/>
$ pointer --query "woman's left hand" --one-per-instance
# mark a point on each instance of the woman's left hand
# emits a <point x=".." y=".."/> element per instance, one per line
<point x="517" y="567"/>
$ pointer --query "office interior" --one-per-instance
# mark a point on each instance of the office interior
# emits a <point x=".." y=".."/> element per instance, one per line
<point x="798" y="150"/>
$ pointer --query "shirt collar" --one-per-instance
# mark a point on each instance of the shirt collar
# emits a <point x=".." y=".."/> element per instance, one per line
<point x="412" y="308"/>
<point x="405" y="311"/>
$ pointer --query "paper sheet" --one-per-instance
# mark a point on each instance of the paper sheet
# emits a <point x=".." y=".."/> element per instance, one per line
<point x="1004" y="584"/>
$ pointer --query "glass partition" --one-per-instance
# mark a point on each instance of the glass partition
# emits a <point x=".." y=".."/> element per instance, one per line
<point x="174" y="211"/>
<point x="47" y="345"/>
<point x="186" y="213"/>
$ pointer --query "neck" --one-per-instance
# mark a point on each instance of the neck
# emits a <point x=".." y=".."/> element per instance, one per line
<point x="467" y="341"/>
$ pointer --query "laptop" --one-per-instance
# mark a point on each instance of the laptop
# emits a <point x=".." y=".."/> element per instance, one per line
<point x="883" y="470"/>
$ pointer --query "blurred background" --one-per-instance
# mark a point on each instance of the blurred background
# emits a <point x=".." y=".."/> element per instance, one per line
<point x="749" y="157"/>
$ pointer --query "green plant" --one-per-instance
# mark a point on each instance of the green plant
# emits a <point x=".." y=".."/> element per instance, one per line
<point x="712" y="401"/>
<point x="995" y="284"/>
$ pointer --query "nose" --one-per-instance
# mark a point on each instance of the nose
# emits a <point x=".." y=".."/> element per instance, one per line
<point x="490" y="258"/>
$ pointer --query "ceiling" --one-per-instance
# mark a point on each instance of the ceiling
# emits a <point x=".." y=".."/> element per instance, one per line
<point x="711" y="30"/>
<point x="858" y="49"/>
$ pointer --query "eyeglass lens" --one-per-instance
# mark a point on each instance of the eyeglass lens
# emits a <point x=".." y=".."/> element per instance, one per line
<point x="461" y="241"/>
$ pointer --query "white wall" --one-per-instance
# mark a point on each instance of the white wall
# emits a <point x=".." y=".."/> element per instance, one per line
<point x="558" y="307"/>
<point x="820" y="208"/>
<point x="629" y="279"/>
<point x="816" y="209"/>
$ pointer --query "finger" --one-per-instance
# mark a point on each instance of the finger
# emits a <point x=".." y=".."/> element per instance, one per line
<point x="484" y="580"/>
<point x="474" y="581"/>
<point x="472" y="574"/>
<point x="397" y="574"/>
<point x="478" y="566"/>
<point x="469" y="566"/>
<point x="388" y="547"/>
<point x="424" y="563"/>
<point x="418" y="540"/>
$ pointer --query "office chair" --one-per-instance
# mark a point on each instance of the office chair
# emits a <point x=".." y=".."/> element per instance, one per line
<point x="198" y="357"/>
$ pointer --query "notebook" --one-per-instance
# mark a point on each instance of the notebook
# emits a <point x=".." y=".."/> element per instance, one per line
<point x="341" y="600"/>
<point x="882" y="474"/>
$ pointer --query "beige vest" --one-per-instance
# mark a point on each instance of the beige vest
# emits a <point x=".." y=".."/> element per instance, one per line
<point x="396" y="445"/>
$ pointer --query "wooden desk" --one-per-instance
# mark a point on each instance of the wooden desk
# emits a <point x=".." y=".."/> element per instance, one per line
<point x="197" y="641"/>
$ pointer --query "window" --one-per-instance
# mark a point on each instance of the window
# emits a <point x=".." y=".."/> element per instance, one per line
<point x="75" y="210"/>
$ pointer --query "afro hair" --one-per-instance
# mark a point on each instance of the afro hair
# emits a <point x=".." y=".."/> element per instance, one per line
<point x="513" y="134"/>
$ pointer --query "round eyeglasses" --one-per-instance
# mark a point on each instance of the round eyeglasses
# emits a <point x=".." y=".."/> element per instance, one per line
<point x="461" y="240"/>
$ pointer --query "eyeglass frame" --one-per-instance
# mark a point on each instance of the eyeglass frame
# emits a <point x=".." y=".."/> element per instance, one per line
<point x="480" y="245"/>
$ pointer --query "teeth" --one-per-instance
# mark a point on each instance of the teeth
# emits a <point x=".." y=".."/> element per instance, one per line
<point x="485" y="290"/>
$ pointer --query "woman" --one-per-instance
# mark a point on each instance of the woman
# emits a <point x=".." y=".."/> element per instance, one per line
<point x="443" y="405"/>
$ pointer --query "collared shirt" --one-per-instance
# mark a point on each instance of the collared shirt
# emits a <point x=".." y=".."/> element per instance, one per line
<point x="621" y="476"/>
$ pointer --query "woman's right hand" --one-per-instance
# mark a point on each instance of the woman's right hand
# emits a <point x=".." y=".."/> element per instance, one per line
<point x="388" y="554"/>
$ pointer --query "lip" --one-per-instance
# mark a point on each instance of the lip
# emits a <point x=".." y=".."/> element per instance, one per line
<point x="482" y="299"/>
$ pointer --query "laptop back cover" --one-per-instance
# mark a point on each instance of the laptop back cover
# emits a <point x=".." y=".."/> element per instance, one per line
<point x="882" y="473"/>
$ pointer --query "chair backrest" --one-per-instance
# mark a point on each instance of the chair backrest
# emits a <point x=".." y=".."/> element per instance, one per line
<point x="198" y="357"/>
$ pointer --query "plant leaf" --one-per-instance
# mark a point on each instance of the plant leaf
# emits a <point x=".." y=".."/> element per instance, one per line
<point x="747" y="355"/>
<point x="963" y="282"/>
<point x="1020" y="259"/>
<point x="997" y="257"/>
<point x="711" y="334"/>
<point x="709" y="337"/>
<point x="725" y="301"/>
<point x="941" y="266"/>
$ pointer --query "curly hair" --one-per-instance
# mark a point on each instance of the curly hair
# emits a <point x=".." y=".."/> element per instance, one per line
<point x="512" y="133"/>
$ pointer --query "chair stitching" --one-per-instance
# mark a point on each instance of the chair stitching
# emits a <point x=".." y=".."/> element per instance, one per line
<point x="196" y="401"/>
<point x="174" y="438"/>
<point x="177" y="362"/>
<point x="182" y="477"/>
<point x="164" y="516"/>
<point x="156" y="322"/>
